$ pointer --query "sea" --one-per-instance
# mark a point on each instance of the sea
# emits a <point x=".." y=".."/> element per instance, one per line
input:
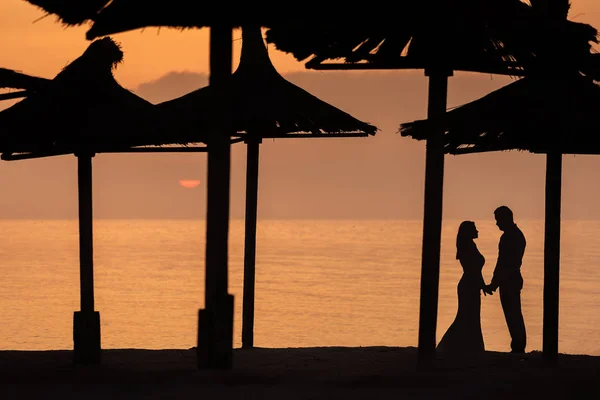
<point x="318" y="283"/>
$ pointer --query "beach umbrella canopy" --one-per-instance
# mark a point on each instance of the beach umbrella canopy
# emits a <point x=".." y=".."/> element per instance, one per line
<point x="110" y="17"/>
<point x="72" y="12"/>
<point x="495" y="36"/>
<point x="470" y="35"/>
<point x="552" y="109"/>
<point x="10" y="79"/>
<point x="264" y="103"/>
<point x="535" y="113"/>
<point x="84" y="108"/>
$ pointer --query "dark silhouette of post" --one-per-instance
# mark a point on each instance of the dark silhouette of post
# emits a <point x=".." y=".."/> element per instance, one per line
<point x="432" y="216"/>
<point x="552" y="255"/>
<point x="86" y="322"/>
<point x="252" y="158"/>
<point x="215" y="321"/>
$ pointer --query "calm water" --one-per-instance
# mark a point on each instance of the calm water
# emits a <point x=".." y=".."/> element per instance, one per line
<point x="319" y="283"/>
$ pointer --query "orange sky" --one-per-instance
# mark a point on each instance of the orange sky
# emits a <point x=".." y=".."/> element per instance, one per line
<point x="379" y="177"/>
<point x="45" y="46"/>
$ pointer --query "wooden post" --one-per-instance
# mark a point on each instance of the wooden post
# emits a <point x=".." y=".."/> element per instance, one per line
<point x="86" y="322"/>
<point x="252" y="158"/>
<point x="432" y="217"/>
<point x="552" y="255"/>
<point x="215" y="321"/>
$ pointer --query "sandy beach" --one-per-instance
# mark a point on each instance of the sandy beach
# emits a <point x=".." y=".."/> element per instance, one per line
<point x="298" y="373"/>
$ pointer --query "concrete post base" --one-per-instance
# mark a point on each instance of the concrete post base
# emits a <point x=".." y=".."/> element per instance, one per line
<point x="86" y="337"/>
<point x="215" y="336"/>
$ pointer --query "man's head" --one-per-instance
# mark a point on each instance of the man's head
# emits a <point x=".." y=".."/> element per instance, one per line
<point x="504" y="217"/>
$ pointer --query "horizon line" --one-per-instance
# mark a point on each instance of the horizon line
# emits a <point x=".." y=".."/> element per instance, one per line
<point x="279" y="219"/>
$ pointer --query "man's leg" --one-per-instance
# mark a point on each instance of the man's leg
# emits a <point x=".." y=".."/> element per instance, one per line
<point x="510" y="297"/>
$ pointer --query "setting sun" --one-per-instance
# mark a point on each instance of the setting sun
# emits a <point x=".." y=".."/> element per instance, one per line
<point x="189" y="183"/>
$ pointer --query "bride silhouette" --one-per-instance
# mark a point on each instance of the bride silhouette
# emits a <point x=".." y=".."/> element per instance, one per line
<point x="464" y="335"/>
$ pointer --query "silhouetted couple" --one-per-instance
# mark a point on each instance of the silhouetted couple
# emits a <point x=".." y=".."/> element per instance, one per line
<point x="464" y="335"/>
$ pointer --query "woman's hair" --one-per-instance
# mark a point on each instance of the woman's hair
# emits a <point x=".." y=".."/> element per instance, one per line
<point x="464" y="237"/>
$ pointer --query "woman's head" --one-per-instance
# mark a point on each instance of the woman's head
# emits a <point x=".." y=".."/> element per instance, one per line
<point x="467" y="231"/>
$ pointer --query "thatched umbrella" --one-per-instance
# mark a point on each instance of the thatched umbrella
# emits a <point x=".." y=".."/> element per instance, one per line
<point x="265" y="105"/>
<point x="522" y="116"/>
<point x="496" y="36"/>
<point x="493" y="36"/>
<point x="83" y="110"/>
<point x="215" y="321"/>
<point x="549" y="114"/>
<point x="108" y="17"/>
<point x="10" y="79"/>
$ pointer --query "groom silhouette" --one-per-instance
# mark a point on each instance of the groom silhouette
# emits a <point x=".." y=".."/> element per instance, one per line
<point x="507" y="276"/>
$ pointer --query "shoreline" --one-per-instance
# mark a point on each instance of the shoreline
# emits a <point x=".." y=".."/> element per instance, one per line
<point x="316" y="372"/>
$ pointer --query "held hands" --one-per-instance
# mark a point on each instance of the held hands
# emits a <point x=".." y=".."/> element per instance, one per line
<point x="487" y="289"/>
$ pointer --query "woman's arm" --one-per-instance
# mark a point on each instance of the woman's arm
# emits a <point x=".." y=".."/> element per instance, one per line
<point x="472" y="265"/>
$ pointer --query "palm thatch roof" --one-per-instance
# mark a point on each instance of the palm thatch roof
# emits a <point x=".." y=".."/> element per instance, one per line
<point x="71" y="12"/>
<point x="535" y="113"/>
<point x="495" y="36"/>
<point x="264" y="103"/>
<point x="592" y="66"/>
<point x="84" y="109"/>
<point x="114" y="16"/>
<point x="10" y="79"/>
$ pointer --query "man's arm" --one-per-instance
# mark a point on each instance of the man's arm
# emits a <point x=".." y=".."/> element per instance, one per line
<point x="500" y="265"/>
